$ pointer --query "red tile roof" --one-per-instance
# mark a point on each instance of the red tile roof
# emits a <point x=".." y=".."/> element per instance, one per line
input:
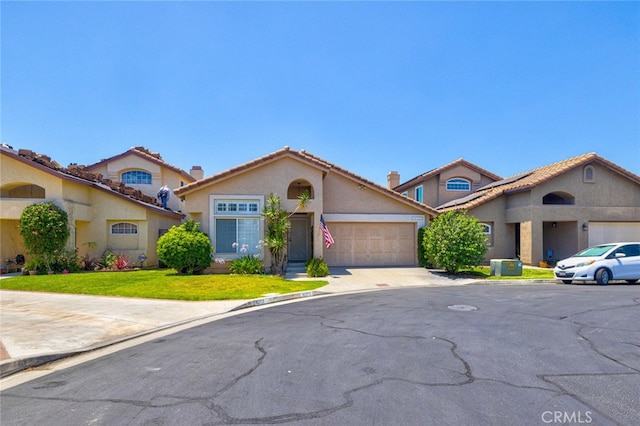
<point x="529" y="180"/>
<point x="309" y="159"/>
<point x="80" y="175"/>
<point x="439" y="170"/>
<point x="142" y="152"/>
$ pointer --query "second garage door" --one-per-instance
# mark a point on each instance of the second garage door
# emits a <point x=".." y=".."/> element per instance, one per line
<point x="372" y="244"/>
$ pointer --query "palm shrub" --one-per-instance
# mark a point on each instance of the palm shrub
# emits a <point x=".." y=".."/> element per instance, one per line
<point x="185" y="248"/>
<point x="317" y="267"/>
<point x="278" y="226"/>
<point x="454" y="241"/>
<point x="247" y="265"/>
<point x="277" y="232"/>
<point x="45" y="229"/>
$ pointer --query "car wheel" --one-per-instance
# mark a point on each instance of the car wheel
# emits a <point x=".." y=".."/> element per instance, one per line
<point x="567" y="281"/>
<point x="603" y="276"/>
<point x="632" y="281"/>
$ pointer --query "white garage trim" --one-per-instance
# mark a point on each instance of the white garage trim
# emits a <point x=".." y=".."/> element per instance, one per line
<point x="382" y="218"/>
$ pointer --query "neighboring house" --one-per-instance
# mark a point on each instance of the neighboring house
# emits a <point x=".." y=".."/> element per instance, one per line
<point x="146" y="171"/>
<point x="109" y="214"/>
<point x="554" y="211"/>
<point x="371" y="225"/>
<point x="443" y="184"/>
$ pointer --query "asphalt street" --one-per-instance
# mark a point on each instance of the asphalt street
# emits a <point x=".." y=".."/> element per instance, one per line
<point x="459" y="355"/>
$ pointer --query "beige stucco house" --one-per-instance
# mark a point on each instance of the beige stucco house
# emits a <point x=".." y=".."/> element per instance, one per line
<point x="146" y="171"/>
<point x="554" y="211"/>
<point x="441" y="185"/>
<point x="370" y="224"/>
<point x="109" y="214"/>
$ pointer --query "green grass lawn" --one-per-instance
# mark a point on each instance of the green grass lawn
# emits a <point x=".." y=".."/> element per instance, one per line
<point x="160" y="284"/>
<point x="527" y="274"/>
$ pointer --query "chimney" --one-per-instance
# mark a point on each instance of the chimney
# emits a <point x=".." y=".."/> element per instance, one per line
<point x="393" y="179"/>
<point x="197" y="172"/>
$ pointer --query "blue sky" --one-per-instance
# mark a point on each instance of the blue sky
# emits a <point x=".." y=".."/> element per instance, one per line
<point x="370" y="86"/>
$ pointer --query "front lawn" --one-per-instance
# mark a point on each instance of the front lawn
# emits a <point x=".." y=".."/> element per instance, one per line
<point x="527" y="274"/>
<point x="160" y="284"/>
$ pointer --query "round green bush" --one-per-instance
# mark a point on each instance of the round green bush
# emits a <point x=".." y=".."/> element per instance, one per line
<point x="185" y="248"/>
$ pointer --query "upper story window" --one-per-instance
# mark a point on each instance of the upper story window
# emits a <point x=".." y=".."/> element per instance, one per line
<point x="558" y="198"/>
<point x="298" y="188"/>
<point x="136" y="177"/>
<point x="419" y="196"/>
<point x="458" y="184"/>
<point x="588" y="174"/>
<point x="124" y="228"/>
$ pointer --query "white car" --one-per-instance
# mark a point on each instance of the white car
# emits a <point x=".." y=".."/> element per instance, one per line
<point x="602" y="263"/>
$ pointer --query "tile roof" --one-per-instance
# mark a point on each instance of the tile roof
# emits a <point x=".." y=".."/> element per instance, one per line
<point x="439" y="170"/>
<point x="528" y="180"/>
<point x="80" y="175"/>
<point x="142" y="152"/>
<point x="309" y="159"/>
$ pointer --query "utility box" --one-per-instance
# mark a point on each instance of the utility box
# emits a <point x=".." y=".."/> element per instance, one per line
<point x="505" y="267"/>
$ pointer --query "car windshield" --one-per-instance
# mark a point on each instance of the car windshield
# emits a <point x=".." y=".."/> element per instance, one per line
<point x="594" y="251"/>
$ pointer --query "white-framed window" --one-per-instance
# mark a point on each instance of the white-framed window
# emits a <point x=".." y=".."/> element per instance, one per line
<point x="419" y="196"/>
<point x="124" y="228"/>
<point x="136" y="177"/>
<point x="458" y="184"/>
<point x="487" y="230"/>
<point x="237" y="226"/>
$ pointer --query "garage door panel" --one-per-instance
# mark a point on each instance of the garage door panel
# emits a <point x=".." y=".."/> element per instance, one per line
<point x="611" y="232"/>
<point x="372" y="244"/>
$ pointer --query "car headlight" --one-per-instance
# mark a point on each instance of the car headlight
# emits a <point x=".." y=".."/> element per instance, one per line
<point x="585" y="263"/>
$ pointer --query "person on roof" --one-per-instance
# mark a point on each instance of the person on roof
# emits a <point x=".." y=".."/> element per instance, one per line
<point x="163" y="195"/>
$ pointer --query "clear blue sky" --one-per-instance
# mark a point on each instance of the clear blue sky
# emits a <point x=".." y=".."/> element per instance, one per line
<point x="370" y="86"/>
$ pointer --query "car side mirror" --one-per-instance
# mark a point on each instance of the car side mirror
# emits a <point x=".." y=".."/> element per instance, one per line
<point x="620" y="255"/>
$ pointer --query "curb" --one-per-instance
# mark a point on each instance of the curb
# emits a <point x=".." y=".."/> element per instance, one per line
<point x="13" y="366"/>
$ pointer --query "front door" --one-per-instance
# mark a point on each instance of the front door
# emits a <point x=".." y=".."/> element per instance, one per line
<point x="299" y="239"/>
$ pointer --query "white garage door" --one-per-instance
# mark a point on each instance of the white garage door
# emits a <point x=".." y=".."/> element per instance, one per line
<point x="372" y="244"/>
<point x="611" y="232"/>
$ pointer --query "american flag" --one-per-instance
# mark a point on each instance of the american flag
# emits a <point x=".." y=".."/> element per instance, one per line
<point x="328" y="239"/>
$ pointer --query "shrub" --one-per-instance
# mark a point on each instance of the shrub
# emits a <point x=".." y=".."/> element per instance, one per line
<point x="454" y="241"/>
<point x="66" y="260"/>
<point x="247" y="265"/>
<point x="107" y="259"/>
<point x="44" y="228"/>
<point x="185" y="248"/>
<point x="317" y="267"/>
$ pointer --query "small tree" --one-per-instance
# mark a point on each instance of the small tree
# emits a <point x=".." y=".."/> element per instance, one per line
<point x="454" y="241"/>
<point x="45" y="229"/>
<point x="185" y="248"/>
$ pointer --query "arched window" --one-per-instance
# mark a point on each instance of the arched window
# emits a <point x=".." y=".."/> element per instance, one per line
<point x="124" y="228"/>
<point x="558" y="198"/>
<point x="22" y="191"/>
<point x="458" y="184"/>
<point x="588" y="174"/>
<point x="136" y="177"/>
<point x="298" y="187"/>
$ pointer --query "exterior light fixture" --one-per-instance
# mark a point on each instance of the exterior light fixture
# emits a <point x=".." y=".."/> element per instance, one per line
<point x="585" y="227"/>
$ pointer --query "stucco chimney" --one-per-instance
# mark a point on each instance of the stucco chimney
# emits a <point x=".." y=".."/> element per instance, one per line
<point x="197" y="172"/>
<point x="393" y="179"/>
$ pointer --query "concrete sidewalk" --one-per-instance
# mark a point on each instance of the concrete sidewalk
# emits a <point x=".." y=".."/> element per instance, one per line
<point x="36" y="328"/>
